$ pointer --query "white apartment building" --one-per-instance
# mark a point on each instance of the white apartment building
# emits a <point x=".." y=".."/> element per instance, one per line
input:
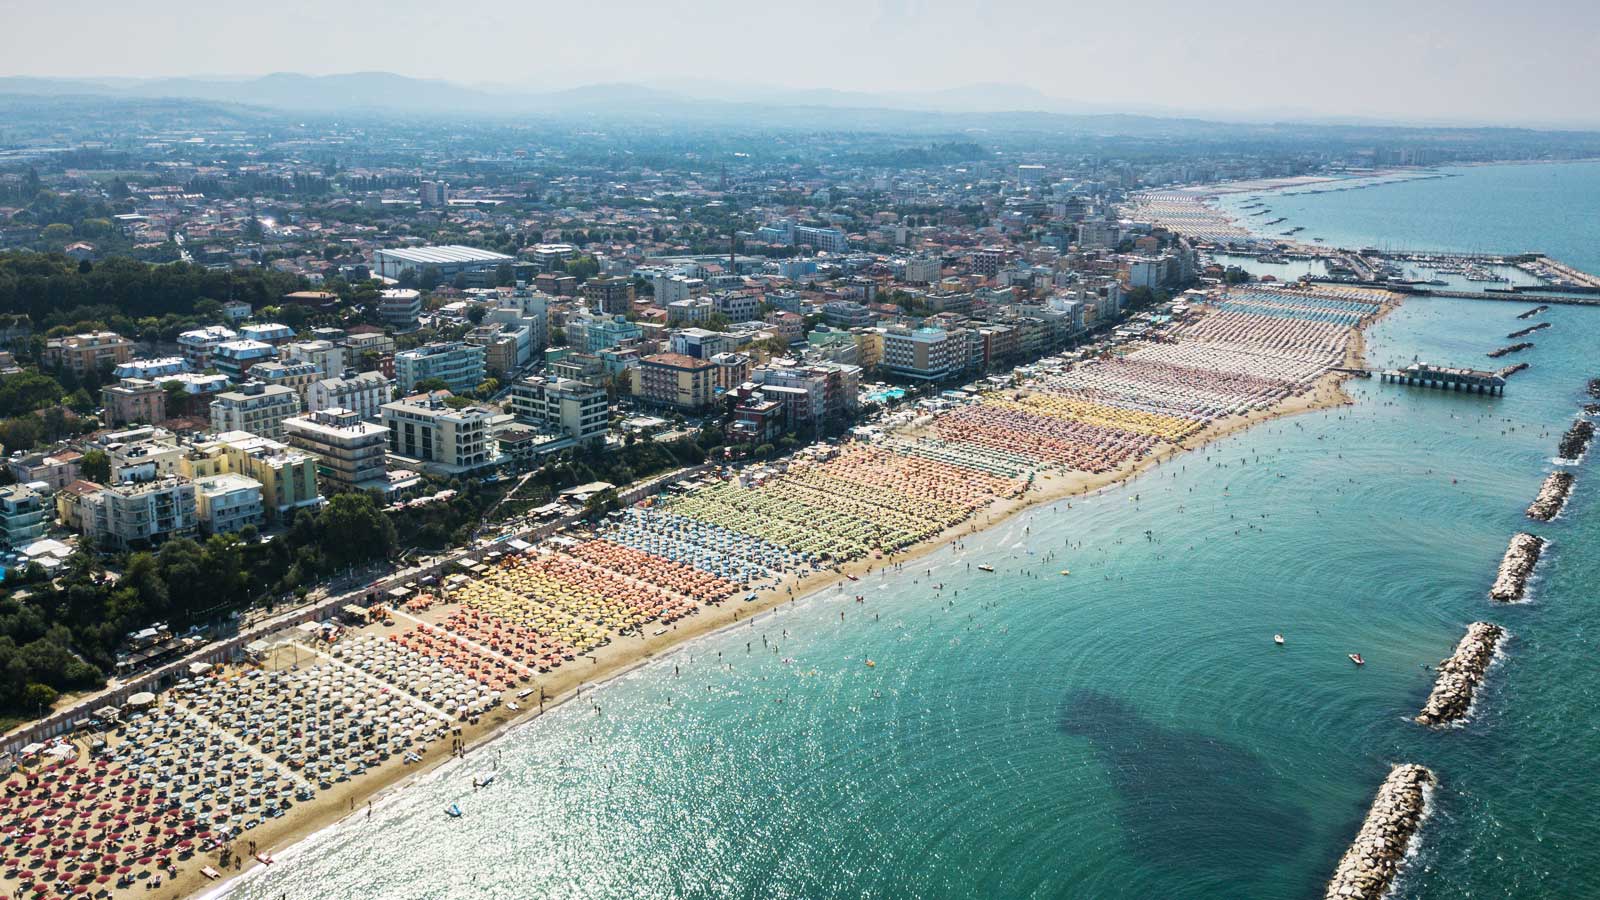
<point x="400" y="308"/>
<point x="227" y="502"/>
<point x="139" y="514"/>
<point x="363" y="394"/>
<point x="458" y="364"/>
<point x="426" y="432"/>
<point x="577" y="409"/>
<point x="351" y="454"/>
<point x="257" y="408"/>
<point x="196" y="346"/>
<point x="328" y="357"/>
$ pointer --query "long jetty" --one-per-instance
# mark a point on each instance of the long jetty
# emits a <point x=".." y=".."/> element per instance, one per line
<point x="1552" y="496"/>
<point x="1516" y="567"/>
<point x="1445" y="378"/>
<point x="1368" y="869"/>
<point x="1461" y="674"/>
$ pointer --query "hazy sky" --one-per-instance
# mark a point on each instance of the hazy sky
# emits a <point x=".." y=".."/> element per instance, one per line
<point x="1528" y="61"/>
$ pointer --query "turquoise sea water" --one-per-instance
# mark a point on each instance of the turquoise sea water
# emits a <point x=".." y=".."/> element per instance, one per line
<point x="1549" y="207"/>
<point x="1128" y="731"/>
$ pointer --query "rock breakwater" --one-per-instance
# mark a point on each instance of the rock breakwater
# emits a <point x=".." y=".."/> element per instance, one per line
<point x="1369" y="867"/>
<point x="1576" y="440"/>
<point x="1516" y="566"/>
<point x="1510" y="349"/>
<point x="1460" y="675"/>
<point x="1533" y="312"/>
<point x="1552" y="496"/>
<point x="1529" y="330"/>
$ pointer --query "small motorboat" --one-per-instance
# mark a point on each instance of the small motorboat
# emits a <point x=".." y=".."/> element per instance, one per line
<point x="1066" y="571"/>
<point x="870" y="664"/>
<point x="1278" y="639"/>
<point x="484" y="783"/>
<point x="1356" y="658"/>
<point x="453" y="811"/>
<point x="986" y="568"/>
<point x="852" y="578"/>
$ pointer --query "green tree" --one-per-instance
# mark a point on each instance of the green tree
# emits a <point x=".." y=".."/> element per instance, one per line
<point x="25" y="393"/>
<point x="95" y="466"/>
<point x="354" y="530"/>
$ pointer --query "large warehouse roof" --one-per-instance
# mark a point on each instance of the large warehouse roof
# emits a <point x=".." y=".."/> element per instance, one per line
<point x="451" y="253"/>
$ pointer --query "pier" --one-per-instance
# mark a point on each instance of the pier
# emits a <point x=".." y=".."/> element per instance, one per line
<point x="1444" y="378"/>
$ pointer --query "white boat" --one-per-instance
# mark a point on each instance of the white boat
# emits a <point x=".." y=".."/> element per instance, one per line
<point x="1278" y="639"/>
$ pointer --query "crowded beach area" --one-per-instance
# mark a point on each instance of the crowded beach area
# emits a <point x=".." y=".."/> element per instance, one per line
<point x="185" y="788"/>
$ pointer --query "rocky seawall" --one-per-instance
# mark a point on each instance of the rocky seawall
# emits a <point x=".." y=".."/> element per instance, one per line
<point x="1533" y="312"/>
<point x="1505" y="351"/>
<point x="1552" y="496"/>
<point x="1529" y="330"/>
<point x="1508" y="371"/>
<point x="1369" y="867"/>
<point x="1576" y="440"/>
<point x="1460" y="675"/>
<point x="1516" y="566"/>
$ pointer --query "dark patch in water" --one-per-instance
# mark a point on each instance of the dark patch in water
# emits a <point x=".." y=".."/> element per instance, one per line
<point x="1186" y="800"/>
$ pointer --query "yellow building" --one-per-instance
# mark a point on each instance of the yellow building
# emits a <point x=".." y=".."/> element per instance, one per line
<point x="288" y="476"/>
<point x="869" y="347"/>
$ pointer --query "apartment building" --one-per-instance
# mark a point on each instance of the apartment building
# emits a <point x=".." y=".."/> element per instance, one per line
<point x="227" y="502"/>
<point x="608" y="295"/>
<point x="236" y="358"/>
<point x="257" y="408"/>
<point x="426" y="432"/>
<point x="131" y="515"/>
<point x="296" y="376"/>
<point x="98" y="351"/>
<point x="363" y="394"/>
<point x="22" y="516"/>
<point x="134" y="400"/>
<point x="677" y="381"/>
<point x="400" y="308"/>
<point x="196" y="346"/>
<point x="288" y="476"/>
<point x="350" y="453"/>
<point x="457" y="364"/>
<point x="327" y="356"/>
<point x="562" y="404"/>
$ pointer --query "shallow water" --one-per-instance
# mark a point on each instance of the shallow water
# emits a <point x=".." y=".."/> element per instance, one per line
<point x="1126" y="731"/>
<point x="1548" y="207"/>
